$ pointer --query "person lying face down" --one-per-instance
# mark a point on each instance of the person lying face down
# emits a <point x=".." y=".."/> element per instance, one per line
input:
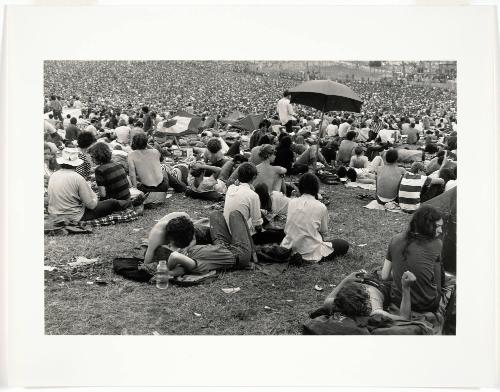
<point x="355" y="296"/>
<point x="232" y="245"/>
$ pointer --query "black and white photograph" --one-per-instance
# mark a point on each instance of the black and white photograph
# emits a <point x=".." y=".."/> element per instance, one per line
<point x="250" y="197"/>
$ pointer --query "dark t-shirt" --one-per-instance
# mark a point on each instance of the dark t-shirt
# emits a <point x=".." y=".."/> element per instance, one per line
<point x="113" y="178"/>
<point x="421" y="259"/>
<point x="72" y="132"/>
<point x="284" y="158"/>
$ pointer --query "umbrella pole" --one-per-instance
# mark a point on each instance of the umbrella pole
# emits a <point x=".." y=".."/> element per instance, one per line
<point x="319" y="136"/>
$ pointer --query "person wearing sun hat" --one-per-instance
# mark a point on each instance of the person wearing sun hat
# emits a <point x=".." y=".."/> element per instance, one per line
<point x="71" y="197"/>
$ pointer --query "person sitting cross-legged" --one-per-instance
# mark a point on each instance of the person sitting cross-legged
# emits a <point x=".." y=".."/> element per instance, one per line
<point x="388" y="178"/>
<point x="232" y="246"/>
<point x="110" y="177"/>
<point x="416" y="187"/>
<point x="70" y="196"/>
<point x="306" y="225"/>
<point x="243" y="198"/>
<point x="145" y="169"/>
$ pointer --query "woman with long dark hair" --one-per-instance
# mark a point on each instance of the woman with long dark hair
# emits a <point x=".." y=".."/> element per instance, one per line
<point x="418" y="250"/>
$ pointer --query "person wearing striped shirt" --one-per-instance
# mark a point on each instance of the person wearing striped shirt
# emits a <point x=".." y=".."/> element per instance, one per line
<point x="412" y="184"/>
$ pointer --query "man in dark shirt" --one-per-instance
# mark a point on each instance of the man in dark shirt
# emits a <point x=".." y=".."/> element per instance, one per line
<point x="146" y="119"/>
<point x="56" y="107"/>
<point x="72" y="131"/>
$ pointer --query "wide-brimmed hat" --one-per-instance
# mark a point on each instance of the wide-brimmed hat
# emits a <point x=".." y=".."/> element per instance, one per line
<point x="70" y="157"/>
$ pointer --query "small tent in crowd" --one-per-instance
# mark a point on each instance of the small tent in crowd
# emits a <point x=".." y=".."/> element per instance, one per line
<point x="232" y="117"/>
<point x="249" y="123"/>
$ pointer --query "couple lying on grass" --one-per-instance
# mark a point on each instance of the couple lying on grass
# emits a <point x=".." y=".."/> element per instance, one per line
<point x="232" y="244"/>
<point x="412" y="267"/>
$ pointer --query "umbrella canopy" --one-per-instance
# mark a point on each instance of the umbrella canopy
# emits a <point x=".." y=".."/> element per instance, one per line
<point x="326" y="96"/>
<point x="250" y="122"/>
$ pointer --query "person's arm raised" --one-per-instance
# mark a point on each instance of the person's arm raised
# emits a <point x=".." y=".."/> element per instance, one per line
<point x="386" y="270"/>
<point x="405" y="308"/>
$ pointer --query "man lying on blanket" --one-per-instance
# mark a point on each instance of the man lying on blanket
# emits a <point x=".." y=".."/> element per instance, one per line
<point x="177" y="232"/>
<point x="358" y="295"/>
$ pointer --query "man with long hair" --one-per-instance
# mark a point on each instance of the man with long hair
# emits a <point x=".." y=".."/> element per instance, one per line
<point x="417" y="250"/>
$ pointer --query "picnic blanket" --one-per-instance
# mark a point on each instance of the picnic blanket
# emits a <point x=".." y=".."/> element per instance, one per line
<point x="392" y="206"/>
<point x="127" y="215"/>
<point x="426" y="323"/>
<point x="368" y="187"/>
<point x="57" y="225"/>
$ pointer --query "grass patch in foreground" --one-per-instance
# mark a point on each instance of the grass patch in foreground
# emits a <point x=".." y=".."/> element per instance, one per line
<point x="265" y="304"/>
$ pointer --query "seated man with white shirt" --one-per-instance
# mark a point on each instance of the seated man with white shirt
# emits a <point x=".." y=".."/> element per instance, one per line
<point x="243" y="198"/>
<point x="306" y="225"/>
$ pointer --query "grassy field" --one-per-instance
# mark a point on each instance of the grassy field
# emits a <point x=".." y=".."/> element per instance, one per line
<point x="266" y="304"/>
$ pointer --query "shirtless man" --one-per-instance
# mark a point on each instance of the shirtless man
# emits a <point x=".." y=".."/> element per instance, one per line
<point x="267" y="174"/>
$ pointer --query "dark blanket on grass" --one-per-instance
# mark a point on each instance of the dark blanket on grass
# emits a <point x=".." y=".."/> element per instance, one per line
<point x="426" y="323"/>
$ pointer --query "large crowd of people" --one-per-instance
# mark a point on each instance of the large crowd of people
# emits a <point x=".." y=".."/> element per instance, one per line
<point x="107" y="150"/>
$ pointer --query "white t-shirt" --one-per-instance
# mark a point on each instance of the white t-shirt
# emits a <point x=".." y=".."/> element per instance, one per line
<point x="285" y="110"/>
<point x="344" y="128"/>
<point x="386" y="135"/>
<point x="242" y="198"/>
<point x="306" y="218"/>
<point x="332" y="130"/>
<point x="123" y="134"/>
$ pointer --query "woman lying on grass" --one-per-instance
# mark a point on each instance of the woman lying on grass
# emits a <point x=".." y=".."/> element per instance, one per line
<point x="355" y="296"/>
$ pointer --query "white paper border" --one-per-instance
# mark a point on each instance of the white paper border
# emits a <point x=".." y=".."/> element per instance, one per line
<point x="461" y="33"/>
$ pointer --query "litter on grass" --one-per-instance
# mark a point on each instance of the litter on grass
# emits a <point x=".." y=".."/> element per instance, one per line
<point x="48" y="268"/>
<point x="81" y="261"/>
<point x="231" y="290"/>
<point x="361" y="245"/>
<point x="318" y="288"/>
<point x="197" y="314"/>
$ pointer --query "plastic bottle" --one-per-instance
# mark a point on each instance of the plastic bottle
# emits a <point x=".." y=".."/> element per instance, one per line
<point x="162" y="275"/>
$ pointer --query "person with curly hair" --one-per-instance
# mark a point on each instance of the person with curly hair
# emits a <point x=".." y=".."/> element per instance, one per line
<point x="213" y="154"/>
<point x="358" y="295"/>
<point x="111" y="178"/>
<point x="232" y="245"/>
<point x="417" y="250"/>
<point x="85" y="140"/>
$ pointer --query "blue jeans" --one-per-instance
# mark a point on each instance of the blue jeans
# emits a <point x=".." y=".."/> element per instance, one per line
<point x="239" y="243"/>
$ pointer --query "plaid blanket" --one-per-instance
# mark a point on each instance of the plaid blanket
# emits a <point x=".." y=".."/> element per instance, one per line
<point x="128" y="215"/>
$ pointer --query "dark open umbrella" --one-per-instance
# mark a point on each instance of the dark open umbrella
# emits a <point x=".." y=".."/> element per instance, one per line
<point x="326" y="96"/>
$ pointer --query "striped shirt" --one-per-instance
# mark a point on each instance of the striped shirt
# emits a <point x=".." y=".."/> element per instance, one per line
<point x="410" y="189"/>
<point x="113" y="178"/>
